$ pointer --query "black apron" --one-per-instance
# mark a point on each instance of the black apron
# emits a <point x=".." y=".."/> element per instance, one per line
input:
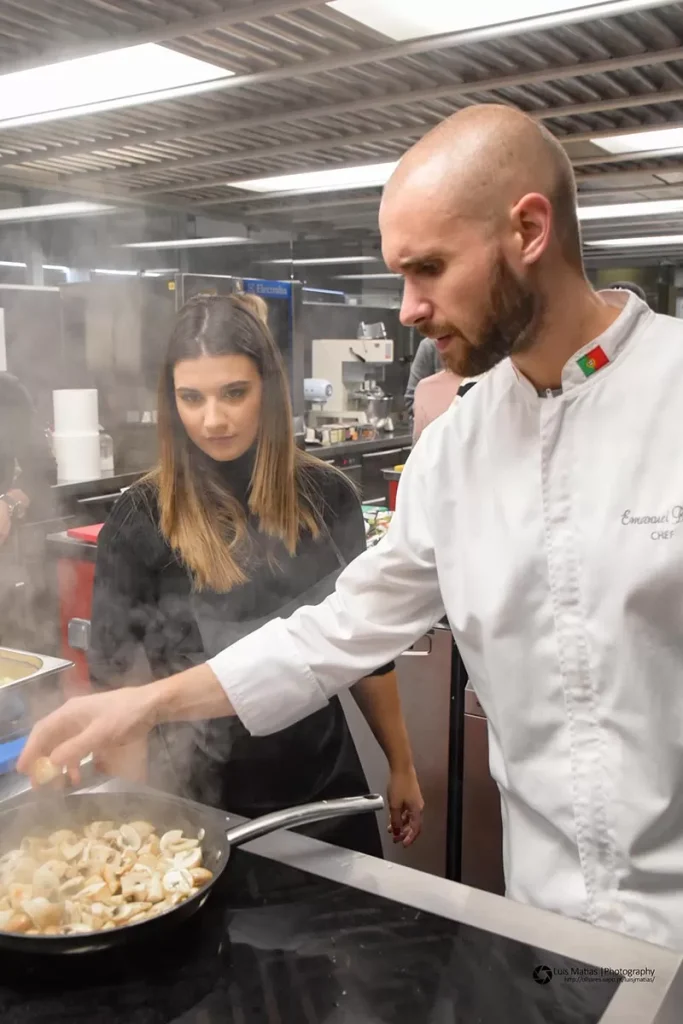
<point x="218" y="762"/>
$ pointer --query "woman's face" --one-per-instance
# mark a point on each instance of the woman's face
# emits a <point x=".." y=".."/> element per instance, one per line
<point x="219" y="403"/>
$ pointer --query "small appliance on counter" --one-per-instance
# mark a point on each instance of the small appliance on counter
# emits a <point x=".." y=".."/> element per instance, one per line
<point x="374" y="405"/>
<point x="347" y="364"/>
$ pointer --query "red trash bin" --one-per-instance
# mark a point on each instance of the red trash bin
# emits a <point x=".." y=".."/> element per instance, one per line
<point x="392" y="476"/>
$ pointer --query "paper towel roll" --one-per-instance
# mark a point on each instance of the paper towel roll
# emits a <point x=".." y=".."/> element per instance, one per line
<point x="76" y="411"/>
<point x="78" y="456"/>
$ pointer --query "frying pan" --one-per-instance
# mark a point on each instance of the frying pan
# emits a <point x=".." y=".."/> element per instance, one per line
<point x="165" y="813"/>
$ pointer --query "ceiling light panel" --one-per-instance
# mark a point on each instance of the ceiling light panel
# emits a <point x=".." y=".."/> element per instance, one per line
<point x="625" y="211"/>
<point x="53" y="211"/>
<point x="643" y="142"/>
<point x="105" y="81"/>
<point x="332" y="180"/>
<point x="405" y="19"/>
<point x="367" y="277"/>
<point x="122" y="273"/>
<point x="188" y="243"/>
<point x="640" y="242"/>
<point x="324" y="260"/>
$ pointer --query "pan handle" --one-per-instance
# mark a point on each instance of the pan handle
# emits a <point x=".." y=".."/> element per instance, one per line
<point x="305" y="814"/>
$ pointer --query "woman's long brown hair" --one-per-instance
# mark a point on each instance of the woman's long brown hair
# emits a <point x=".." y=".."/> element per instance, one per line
<point x="201" y="520"/>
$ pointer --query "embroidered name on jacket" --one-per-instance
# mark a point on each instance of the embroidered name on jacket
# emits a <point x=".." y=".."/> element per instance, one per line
<point x="672" y="518"/>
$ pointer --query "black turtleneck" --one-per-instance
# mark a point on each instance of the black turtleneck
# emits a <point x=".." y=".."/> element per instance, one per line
<point x="143" y="600"/>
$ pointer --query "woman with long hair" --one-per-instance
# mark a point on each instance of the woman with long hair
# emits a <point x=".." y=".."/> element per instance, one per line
<point x="233" y="527"/>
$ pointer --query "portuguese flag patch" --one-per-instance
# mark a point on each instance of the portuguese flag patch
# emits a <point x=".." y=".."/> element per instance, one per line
<point x="593" y="361"/>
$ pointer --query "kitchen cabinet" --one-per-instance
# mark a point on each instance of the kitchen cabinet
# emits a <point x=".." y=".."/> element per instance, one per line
<point x="482" y="828"/>
<point x="424" y="676"/>
<point x="374" y="486"/>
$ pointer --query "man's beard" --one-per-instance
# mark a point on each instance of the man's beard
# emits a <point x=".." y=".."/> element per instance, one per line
<point x="510" y="326"/>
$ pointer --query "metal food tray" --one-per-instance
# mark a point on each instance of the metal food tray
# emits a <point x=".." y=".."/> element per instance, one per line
<point x="22" y="667"/>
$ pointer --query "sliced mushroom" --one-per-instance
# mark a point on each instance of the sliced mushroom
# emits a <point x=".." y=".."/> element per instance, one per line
<point x="177" y="881"/>
<point x="77" y="928"/>
<point x="58" y="868"/>
<point x="102" y="911"/>
<point x="152" y="845"/>
<point x="98" y="829"/>
<point x="188" y="859"/>
<point x="61" y="837"/>
<point x="18" y="922"/>
<point x="70" y="851"/>
<point x="134" y="886"/>
<point x="45" y="882"/>
<point x="44" y="771"/>
<point x="111" y="878"/>
<point x="17" y="893"/>
<point x="42" y="911"/>
<point x="155" y="889"/>
<point x="23" y="869"/>
<point x="169" y="841"/>
<point x="201" y="875"/>
<point x="94" y="889"/>
<point x="143" y="829"/>
<point x="123" y="914"/>
<point x="72" y="886"/>
<point x="126" y="838"/>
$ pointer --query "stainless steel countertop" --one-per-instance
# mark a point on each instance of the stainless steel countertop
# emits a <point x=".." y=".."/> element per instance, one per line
<point x="655" y="1002"/>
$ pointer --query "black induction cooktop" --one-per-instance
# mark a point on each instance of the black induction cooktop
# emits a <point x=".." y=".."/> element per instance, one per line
<point x="276" y="945"/>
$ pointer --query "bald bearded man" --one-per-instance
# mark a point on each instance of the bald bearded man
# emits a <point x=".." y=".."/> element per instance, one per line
<point x="545" y="516"/>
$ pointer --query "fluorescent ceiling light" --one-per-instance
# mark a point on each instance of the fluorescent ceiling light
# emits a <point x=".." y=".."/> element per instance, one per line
<point x="46" y="266"/>
<point x="324" y="260"/>
<point x="331" y="180"/>
<point x="616" y="211"/>
<point x="188" y="243"/>
<point x="52" y="211"/>
<point x="643" y="142"/>
<point x="124" y="273"/>
<point x="105" y="81"/>
<point x="322" y="291"/>
<point x="367" y="277"/>
<point x="405" y="19"/>
<point x="641" y="242"/>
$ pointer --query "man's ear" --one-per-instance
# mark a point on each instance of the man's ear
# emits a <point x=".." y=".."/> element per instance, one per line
<point x="532" y="221"/>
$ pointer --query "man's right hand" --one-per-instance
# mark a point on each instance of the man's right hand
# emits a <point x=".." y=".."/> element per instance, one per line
<point x="94" y="723"/>
<point x="99" y="722"/>
<point x="5" y="522"/>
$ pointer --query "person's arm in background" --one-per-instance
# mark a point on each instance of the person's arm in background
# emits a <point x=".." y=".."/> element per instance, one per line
<point x="377" y="694"/>
<point x="426" y="363"/>
<point x="420" y="417"/>
<point x="383" y="602"/>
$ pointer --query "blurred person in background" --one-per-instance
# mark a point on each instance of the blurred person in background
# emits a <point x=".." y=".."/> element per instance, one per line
<point x="27" y="470"/>
<point x="233" y="528"/>
<point x="26" y="466"/>
<point x="426" y="363"/>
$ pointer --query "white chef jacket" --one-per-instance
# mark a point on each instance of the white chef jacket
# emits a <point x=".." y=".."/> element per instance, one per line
<point x="551" y="531"/>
